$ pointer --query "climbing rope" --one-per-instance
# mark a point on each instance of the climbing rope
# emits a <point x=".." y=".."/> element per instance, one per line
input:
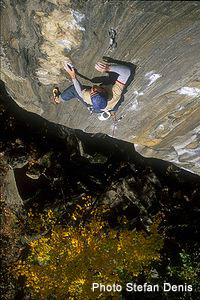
<point x="113" y="114"/>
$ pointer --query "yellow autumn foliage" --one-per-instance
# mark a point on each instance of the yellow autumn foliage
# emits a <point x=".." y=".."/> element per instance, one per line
<point x="68" y="259"/>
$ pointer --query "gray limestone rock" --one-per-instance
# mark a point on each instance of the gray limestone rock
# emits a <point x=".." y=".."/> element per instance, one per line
<point x="161" y="110"/>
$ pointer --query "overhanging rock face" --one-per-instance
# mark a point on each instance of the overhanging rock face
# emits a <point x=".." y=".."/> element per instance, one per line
<point x="161" y="110"/>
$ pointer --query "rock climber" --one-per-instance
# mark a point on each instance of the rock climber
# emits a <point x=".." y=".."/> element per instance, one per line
<point x="100" y="99"/>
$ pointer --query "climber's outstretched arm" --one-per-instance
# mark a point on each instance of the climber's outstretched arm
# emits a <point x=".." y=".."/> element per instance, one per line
<point x="71" y="71"/>
<point x="123" y="71"/>
<point x="78" y="87"/>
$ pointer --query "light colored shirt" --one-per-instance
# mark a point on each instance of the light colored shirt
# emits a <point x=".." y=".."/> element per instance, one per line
<point x="114" y="92"/>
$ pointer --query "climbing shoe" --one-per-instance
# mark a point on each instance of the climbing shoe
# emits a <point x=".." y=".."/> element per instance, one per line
<point x="56" y="94"/>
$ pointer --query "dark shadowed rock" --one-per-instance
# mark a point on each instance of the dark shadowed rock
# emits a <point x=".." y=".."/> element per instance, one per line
<point x="62" y="164"/>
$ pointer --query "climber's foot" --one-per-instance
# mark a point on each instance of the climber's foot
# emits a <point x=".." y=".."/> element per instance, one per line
<point x="56" y="94"/>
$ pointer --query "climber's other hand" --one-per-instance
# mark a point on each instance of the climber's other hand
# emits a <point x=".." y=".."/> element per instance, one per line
<point x="102" y="67"/>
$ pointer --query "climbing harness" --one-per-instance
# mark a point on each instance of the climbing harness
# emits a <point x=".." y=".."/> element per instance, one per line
<point x="90" y="110"/>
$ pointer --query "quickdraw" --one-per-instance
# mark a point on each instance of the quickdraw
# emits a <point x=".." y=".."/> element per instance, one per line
<point x="114" y="122"/>
<point x="112" y="44"/>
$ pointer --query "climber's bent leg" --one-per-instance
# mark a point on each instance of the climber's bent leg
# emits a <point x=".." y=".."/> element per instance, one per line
<point x="70" y="93"/>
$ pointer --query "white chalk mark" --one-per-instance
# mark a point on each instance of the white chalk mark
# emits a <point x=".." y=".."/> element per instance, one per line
<point x="189" y="91"/>
<point x="152" y="77"/>
<point x="67" y="44"/>
<point x="138" y="94"/>
<point x="161" y="127"/>
<point x="179" y="107"/>
<point x="78" y="17"/>
<point x="134" y="105"/>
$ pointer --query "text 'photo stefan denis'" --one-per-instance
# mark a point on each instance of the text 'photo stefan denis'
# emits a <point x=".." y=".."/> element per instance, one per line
<point x="133" y="287"/>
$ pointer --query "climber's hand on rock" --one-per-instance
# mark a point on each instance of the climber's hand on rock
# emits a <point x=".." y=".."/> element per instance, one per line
<point x="102" y="67"/>
<point x="70" y="70"/>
